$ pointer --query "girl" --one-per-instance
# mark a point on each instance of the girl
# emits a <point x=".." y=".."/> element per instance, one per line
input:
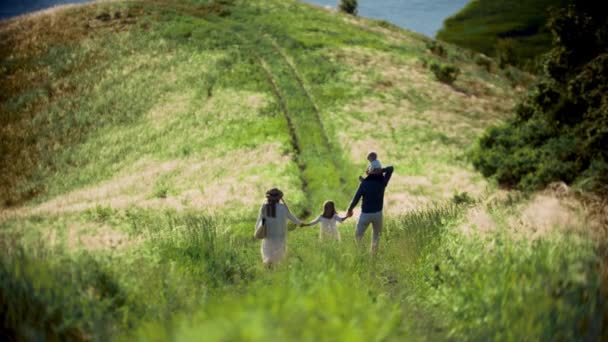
<point x="328" y="221"/>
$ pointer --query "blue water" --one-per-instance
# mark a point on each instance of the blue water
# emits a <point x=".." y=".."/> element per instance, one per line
<point x="422" y="16"/>
<point x="11" y="8"/>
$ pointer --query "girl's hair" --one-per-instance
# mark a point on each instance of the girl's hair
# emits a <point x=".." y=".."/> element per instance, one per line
<point x="329" y="209"/>
<point x="273" y="196"/>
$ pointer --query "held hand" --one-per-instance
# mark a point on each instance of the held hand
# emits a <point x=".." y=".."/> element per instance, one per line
<point x="349" y="213"/>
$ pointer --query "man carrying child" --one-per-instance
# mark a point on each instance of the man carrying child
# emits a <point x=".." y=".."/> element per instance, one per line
<point x="371" y="190"/>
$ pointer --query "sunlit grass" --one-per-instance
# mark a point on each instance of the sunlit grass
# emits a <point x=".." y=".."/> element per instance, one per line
<point x="151" y="160"/>
<point x="195" y="276"/>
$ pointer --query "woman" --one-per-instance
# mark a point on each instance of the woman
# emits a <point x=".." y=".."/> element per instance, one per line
<point x="274" y="215"/>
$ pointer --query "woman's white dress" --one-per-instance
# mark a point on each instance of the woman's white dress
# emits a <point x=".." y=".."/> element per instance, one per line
<point x="328" y="226"/>
<point x="274" y="246"/>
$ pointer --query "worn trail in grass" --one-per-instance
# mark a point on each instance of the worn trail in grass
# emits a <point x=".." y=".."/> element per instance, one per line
<point x="317" y="158"/>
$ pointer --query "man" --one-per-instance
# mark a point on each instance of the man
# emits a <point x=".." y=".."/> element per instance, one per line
<point x="372" y="190"/>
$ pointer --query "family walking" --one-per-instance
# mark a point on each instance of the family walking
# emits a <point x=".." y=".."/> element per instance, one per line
<point x="271" y="225"/>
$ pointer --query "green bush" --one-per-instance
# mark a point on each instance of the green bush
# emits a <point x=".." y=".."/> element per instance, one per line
<point x="517" y="77"/>
<point x="437" y="48"/>
<point x="560" y="131"/>
<point x="506" y="52"/>
<point x="446" y="73"/>
<point x="482" y="24"/>
<point x="348" y="6"/>
<point x="484" y="62"/>
<point x="462" y="198"/>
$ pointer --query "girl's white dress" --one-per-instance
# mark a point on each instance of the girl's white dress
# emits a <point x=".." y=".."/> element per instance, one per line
<point x="274" y="246"/>
<point x="328" y="226"/>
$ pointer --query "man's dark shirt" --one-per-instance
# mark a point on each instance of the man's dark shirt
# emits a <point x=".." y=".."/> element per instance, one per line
<point x="372" y="191"/>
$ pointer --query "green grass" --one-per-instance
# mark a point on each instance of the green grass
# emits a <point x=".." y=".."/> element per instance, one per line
<point x="195" y="276"/>
<point x="173" y="85"/>
<point x="147" y="143"/>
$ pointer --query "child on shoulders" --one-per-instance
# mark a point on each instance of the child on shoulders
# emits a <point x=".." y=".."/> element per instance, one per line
<point x="375" y="167"/>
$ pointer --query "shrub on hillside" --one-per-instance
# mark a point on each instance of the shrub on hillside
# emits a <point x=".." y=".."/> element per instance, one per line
<point x="506" y="52"/>
<point x="517" y="77"/>
<point x="348" y="6"/>
<point x="484" y="62"/>
<point x="218" y="7"/>
<point x="424" y="62"/>
<point x="560" y="131"/>
<point x="462" y="198"/>
<point x="436" y="48"/>
<point x="445" y="73"/>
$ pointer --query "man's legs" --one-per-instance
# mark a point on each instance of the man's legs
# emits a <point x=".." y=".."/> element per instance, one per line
<point x="376" y="220"/>
<point x="364" y="220"/>
<point x="362" y="226"/>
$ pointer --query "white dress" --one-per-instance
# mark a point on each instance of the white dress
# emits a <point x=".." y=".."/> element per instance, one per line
<point x="328" y="226"/>
<point x="274" y="246"/>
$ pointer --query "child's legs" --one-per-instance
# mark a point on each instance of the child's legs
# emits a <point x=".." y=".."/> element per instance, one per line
<point x="334" y="233"/>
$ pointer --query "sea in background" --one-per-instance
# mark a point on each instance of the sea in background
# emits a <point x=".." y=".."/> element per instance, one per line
<point x="422" y="16"/>
<point x="11" y="8"/>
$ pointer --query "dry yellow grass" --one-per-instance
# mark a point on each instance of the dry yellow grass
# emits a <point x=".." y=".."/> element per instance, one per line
<point x="25" y="41"/>
<point x="477" y="221"/>
<point x="484" y="104"/>
<point x="211" y="184"/>
<point x="93" y="237"/>
<point x="169" y="109"/>
<point x="556" y="209"/>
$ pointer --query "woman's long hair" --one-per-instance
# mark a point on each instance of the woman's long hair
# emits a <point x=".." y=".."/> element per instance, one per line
<point x="329" y="209"/>
<point x="273" y="196"/>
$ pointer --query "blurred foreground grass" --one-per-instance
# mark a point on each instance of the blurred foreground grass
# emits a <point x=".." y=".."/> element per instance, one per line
<point x="189" y="276"/>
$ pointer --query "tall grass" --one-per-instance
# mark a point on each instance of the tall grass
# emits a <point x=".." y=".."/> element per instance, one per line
<point x="48" y="297"/>
<point x="500" y="289"/>
<point x="187" y="275"/>
<point x="195" y="276"/>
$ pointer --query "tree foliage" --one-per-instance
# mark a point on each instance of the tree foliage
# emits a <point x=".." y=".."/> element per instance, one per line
<point x="512" y="31"/>
<point x="348" y="6"/>
<point x="560" y="131"/>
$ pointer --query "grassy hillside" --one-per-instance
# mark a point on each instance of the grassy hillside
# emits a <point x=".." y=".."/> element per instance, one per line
<point x="520" y="25"/>
<point x="138" y="138"/>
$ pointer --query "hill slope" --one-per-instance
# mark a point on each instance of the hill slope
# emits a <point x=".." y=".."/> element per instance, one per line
<point x="138" y="138"/>
<point x="150" y="85"/>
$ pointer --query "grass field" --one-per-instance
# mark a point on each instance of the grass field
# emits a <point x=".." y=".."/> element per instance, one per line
<point x="138" y="138"/>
